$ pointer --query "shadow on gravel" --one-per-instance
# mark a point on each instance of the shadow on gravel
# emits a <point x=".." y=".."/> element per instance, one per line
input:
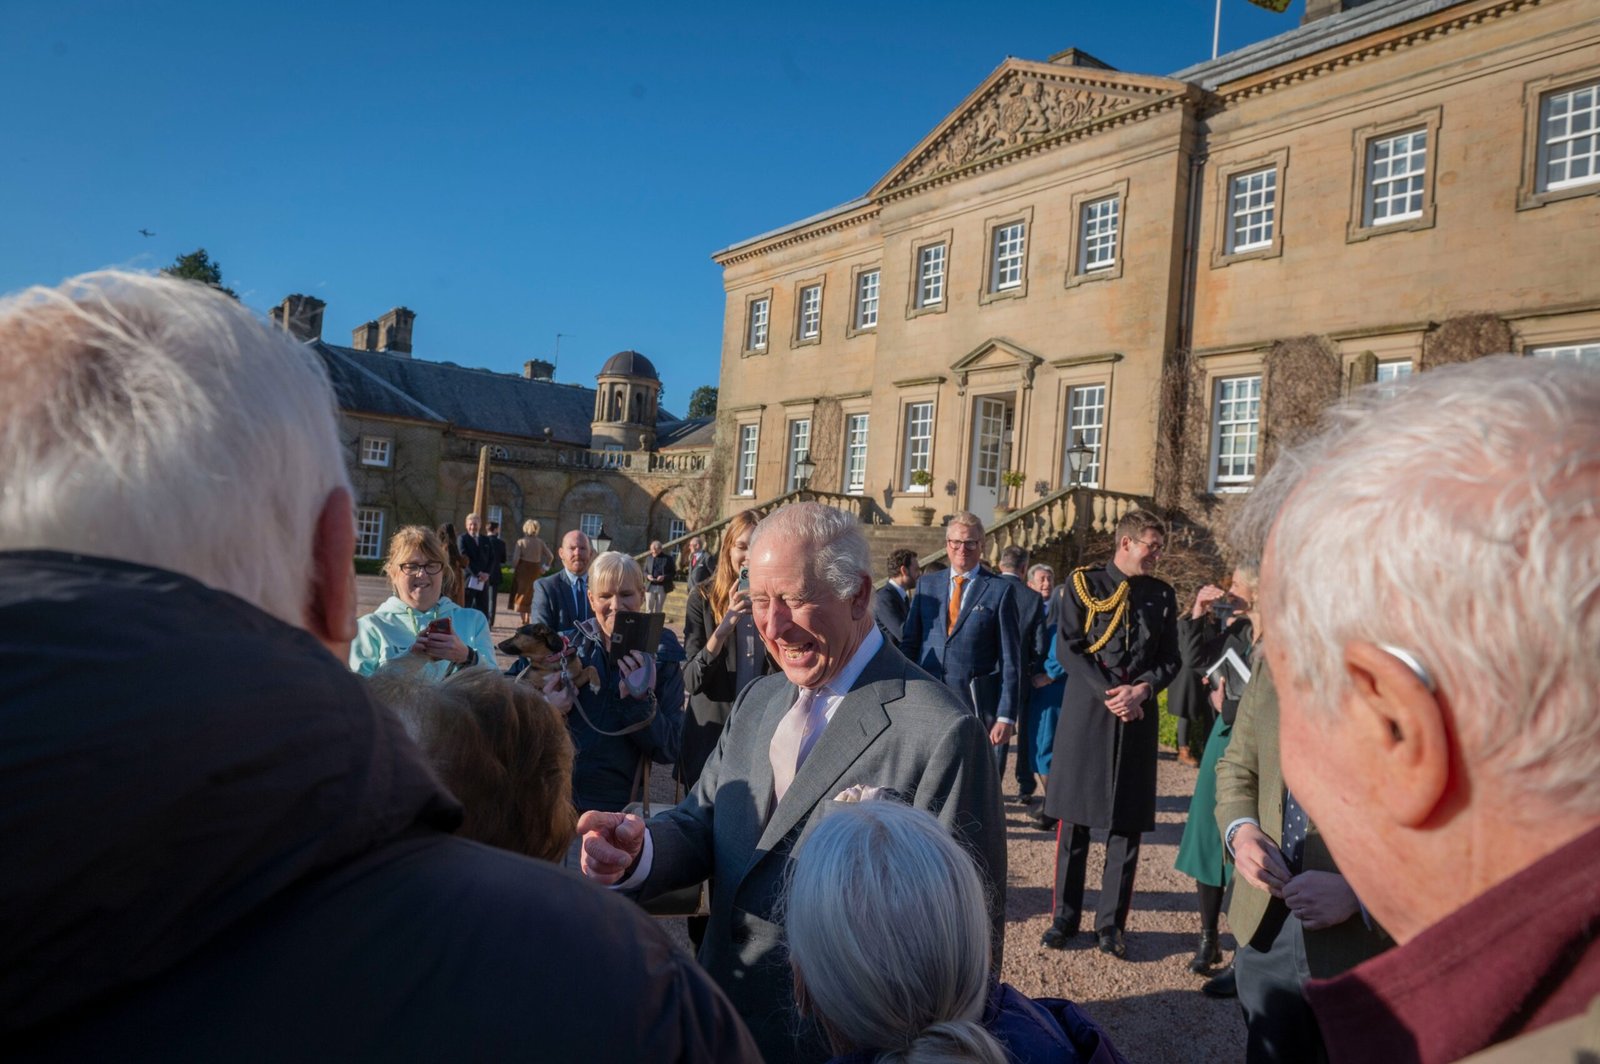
<point x="1172" y="803"/>
<point x="1171" y="1025"/>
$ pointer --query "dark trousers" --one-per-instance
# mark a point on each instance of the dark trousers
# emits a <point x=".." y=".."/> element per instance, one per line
<point x="480" y="600"/>
<point x="1271" y="970"/>
<point x="1116" y="885"/>
<point x="492" y="594"/>
<point x="1027" y="724"/>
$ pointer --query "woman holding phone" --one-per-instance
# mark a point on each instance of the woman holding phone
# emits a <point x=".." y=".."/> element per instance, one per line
<point x="635" y="710"/>
<point x="418" y="618"/>
<point x="725" y="651"/>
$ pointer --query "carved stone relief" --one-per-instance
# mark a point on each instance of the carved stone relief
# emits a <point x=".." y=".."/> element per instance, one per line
<point x="1018" y="111"/>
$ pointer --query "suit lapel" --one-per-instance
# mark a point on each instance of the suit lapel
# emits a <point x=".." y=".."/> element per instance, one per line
<point x="857" y="722"/>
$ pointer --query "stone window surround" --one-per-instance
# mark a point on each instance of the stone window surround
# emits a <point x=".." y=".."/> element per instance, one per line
<point x="817" y="282"/>
<point x="913" y="308"/>
<point x="991" y="227"/>
<point x="750" y="301"/>
<point x="851" y="327"/>
<point x="1219" y="365"/>
<point x="742" y="417"/>
<point x="917" y="390"/>
<point x="1529" y="196"/>
<point x="851" y="404"/>
<point x="1360" y="354"/>
<point x="1429" y="121"/>
<point x="1117" y="191"/>
<point x="386" y="460"/>
<point x="790" y="456"/>
<point x="1080" y="372"/>
<point x="1220" y="254"/>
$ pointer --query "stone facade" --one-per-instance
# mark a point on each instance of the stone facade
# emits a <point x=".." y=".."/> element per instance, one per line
<point x="1077" y="250"/>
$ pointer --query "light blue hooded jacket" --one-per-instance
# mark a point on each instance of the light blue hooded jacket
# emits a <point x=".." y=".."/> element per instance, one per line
<point x="388" y="632"/>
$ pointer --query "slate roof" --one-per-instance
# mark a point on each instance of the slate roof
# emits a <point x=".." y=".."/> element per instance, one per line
<point x="508" y="404"/>
<point x="693" y="432"/>
<point x="1313" y="37"/>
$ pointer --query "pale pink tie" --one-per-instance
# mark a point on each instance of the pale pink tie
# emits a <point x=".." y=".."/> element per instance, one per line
<point x="793" y="740"/>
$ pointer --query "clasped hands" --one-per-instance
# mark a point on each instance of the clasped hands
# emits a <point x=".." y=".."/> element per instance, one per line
<point x="1127" y="701"/>
<point x="1319" y="899"/>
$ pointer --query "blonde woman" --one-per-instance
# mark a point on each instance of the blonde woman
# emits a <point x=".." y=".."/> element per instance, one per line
<point x="529" y="559"/>
<point x="418" y="618"/>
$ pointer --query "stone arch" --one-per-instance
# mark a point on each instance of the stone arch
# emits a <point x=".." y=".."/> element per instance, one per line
<point x="589" y="496"/>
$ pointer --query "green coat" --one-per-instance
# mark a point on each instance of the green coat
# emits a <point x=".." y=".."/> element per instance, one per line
<point x="1250" y="784"/>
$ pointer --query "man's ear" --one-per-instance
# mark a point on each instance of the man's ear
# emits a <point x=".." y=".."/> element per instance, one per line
<point x="1406" y="729"/>
<point x="861" y="603"/>
<point x="331" y="606"/>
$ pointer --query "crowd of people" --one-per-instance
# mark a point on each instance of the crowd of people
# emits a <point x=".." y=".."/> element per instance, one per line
<point x="257" y="826"/>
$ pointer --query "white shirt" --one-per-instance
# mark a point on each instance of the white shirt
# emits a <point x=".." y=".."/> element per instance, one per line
<point x="831" y="694"/>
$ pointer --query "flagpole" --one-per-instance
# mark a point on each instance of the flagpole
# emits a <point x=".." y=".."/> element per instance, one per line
<point x="1216" y="30"/>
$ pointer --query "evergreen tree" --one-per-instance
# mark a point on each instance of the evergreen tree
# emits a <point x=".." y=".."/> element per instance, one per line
<point x="197" y="266"/>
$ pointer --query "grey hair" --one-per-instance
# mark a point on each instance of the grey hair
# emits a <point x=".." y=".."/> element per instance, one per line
<point x="1013" y="558"/>
<point x="157" y="421"/>
<point x="903" y="969"/>
<point x="1041" y="567"/>
<point x="966" y="519"/>
<point x="1459" y="520"/>
<point x="831" y="538"/>
<point x="611" y="570"/>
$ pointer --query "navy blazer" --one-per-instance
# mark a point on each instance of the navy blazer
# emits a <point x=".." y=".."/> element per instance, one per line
<point x="986" y="645"/>
<point x="554" y="602"/>
<point x="1030" y="622"/>
<point x="889" y="608"/>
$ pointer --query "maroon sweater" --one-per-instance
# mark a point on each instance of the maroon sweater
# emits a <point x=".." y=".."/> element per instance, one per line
<point x="1519" y="956"/>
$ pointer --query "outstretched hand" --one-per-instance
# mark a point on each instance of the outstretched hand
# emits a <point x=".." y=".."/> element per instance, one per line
<point x="612" y="842"/>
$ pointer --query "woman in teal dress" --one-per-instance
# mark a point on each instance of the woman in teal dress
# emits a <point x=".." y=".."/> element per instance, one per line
<point x="1220" y="621"/>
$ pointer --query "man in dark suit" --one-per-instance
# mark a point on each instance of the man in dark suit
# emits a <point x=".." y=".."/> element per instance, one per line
<point x="659" y="574"/>
<point x="892" y="601"/>
<point x="1117" y="637"/>
<point x="1030" y="623"/>
<point x="497" y="566"/>
<point x="701" y="565"/>
<point x="479" y="555"/>
<point x="963" y="630"/>
<point x="848" y="713"/>
<point x="561" y="599"/>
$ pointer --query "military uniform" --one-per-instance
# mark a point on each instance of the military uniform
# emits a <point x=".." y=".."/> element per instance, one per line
<point x="1104" y="771"/>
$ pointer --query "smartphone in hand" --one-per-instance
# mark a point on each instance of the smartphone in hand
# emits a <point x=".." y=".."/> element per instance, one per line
<point x="440" y="626"/>
<point x="744" y="578"/>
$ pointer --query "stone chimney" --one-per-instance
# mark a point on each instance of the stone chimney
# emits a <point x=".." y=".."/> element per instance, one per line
<point x="300" y="316"/>
<point x="539" y="370"/>
<point x="1319" y="9"/>
<point x="394" y="331"/>
<point x="365" y="337"/>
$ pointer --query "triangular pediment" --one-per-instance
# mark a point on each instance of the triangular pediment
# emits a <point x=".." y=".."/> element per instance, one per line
<point x="995" y="353"/>
<point x="1017" y="106"/>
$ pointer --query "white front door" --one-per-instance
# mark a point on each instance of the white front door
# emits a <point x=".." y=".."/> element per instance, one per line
<point x="988" y="438"/>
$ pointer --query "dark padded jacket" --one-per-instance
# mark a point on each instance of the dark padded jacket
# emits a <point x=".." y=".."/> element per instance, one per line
<point x="217" y="847"/>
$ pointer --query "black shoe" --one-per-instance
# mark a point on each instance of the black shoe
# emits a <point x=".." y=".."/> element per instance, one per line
<point x="1110" y="941"/>
<point x="1221" y="985"/>
<point x="1044" y="822"/>
<point x="1206" y="956"/>
<point x="1059" y="936"/>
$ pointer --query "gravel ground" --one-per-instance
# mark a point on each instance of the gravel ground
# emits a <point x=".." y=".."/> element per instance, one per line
<point x="1149" y="1003"/>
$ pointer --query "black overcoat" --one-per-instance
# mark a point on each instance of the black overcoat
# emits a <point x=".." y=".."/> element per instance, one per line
<point x="1104" y="771"/>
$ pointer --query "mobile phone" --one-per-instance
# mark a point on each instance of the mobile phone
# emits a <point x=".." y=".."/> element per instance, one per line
<point x="744" y="578"/>
<point x="441" y="625"/>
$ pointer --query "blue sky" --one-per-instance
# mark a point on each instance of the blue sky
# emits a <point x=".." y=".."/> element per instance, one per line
<point x="507" y="171"/>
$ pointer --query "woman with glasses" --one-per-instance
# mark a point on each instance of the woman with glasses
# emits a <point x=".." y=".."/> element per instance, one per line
<point x="417" y="618"/>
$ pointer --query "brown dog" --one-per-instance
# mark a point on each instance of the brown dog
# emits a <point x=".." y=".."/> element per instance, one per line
<point x="545" y="652"/>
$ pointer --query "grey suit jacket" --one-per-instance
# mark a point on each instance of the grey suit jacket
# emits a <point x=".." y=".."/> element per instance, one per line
<point x="897" y="728"/>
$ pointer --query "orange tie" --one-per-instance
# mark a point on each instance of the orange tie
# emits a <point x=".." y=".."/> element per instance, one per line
<point x="955" y="604"/>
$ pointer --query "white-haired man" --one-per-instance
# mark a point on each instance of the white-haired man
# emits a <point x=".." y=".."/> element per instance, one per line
<point x="1440" y="702"/>
<point x="849" y="713"/>
<point x="214" y="839"/>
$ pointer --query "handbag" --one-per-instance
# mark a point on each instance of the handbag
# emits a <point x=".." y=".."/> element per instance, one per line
<point x="685" y="901"/>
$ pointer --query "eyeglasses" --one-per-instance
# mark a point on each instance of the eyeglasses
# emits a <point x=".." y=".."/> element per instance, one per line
<point x="963" y="544"/>
<point x="413" y="568"/>
<point x="1154" y="546"/>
